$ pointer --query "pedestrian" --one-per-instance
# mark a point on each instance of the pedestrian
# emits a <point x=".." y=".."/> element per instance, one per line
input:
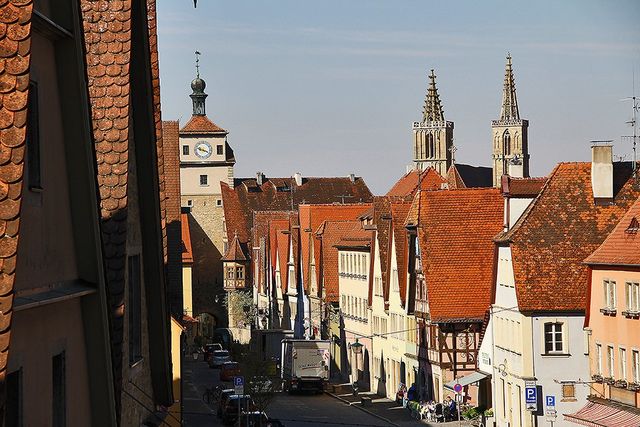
<point x="411" y="393"/>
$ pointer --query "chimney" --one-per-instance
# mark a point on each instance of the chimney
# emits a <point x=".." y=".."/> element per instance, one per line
<point x="259" y="178"/>
<point x="602" y="173"/>
<point x="516" y="169"/>
<point x="298" y="177"/>
<point x="352" y="177"/>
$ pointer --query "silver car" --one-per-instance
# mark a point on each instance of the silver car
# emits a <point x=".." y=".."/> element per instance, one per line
<point x="218" y="358"/>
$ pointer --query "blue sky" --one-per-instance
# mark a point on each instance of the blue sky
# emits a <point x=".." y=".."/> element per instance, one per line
<point x="331" y="88"/>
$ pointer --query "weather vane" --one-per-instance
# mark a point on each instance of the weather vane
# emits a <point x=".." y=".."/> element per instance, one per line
<point x="198" y="64"/>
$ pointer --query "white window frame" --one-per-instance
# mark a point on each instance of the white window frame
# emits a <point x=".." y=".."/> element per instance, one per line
<point x="632" y="296"/>
<point x="623" y="363"/>
<point x="599" y="359"/>
<point x="635" y="361"/>
<point x="609" y="288"/>
<point x="554" y="341"/>
<point x="611" y="361"/>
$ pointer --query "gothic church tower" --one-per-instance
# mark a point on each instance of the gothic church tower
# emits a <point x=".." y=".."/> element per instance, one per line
<point x="509" y="132"/>
<point x="433" y="136"/>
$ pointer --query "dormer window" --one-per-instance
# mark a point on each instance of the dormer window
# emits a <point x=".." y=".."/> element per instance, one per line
<point x="634" y="226"/>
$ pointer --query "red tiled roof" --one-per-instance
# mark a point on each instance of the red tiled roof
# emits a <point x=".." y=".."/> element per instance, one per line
<point x="234" y="252"/>
<point x="522" y="187"/>
<point x="455" y="232"/>
<point x="171" y="150"/>
<point x="15" y="43"/>
<point x="408" y="184"/>
<point x="201" y="125"/>
<point x="622" y="246"/>
<point x="187" y="251"/>
<point x="399" y="211"/>
<point x="558" y="231"/>
<point x="261" y="232"/>
<point x="281" y="194"/>
<point x="311" y="216"/>
<point x="382" y="221"/>
<point x="331" y="233"/>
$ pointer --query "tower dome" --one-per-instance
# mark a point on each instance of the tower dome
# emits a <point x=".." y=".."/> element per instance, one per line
<point x="198" y="85"/>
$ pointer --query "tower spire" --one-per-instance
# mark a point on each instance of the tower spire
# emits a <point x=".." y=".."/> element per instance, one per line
<point x="198" y="96"/>
<point x="509" y="110"/>
<point x="433" y="111"/>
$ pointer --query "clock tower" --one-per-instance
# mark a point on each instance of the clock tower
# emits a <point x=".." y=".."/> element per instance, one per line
<point x="206" y="159"/>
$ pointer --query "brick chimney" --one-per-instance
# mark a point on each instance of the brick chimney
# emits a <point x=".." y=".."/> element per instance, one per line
<point x="602" y="173"/>
<point x="259" y="178"/>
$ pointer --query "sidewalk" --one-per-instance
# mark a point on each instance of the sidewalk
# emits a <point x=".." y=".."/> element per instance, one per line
<point x="384" y="409"/>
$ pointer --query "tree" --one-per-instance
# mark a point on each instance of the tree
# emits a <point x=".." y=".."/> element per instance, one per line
<point x="261" y="381"/>
<point x="241" y="308"/>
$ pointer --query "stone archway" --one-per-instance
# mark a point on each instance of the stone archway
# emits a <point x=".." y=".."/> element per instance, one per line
<point x="207" y="323"/>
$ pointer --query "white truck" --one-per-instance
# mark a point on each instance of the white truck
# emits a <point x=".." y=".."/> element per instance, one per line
<point x="305" y="364"/>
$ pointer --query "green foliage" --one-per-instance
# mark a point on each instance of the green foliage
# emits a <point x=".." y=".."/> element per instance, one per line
<point x="240" y="307"/>
<point x="259" y="381"/>
<point x="488" y="412"/>
<point x="472" y="413"/>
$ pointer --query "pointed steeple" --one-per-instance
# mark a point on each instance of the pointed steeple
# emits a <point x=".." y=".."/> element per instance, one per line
<point x="509" y="110"/>
<point x="198" y="96"/>
<point x="433" y="111"/>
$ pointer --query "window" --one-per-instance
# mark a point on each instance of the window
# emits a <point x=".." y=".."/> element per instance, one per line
<point x="553" y="338"/>
<point x="218" y="202"/>
<point x="185" y="150"/>
<point x="230" y="273"/>
<point x="635" y="362"/>
<point x="568" y="391"/>
<point x="59" y="398"/>
<point x="377" y="286"/>
<point x="632" y="291"/>
<point x="33" y="139"/>
<point x="610" y="361"/>
<point x="13" y="414"/>
<point x="506" y="141"/>
<point x="204" y="180"/>
<point x="134" y="309"/>
<point x="623" y="364"/>
<point x="599" y="358"/>
<point x="219" y="150"/>
<point x="430" y="147"/>
<point x="609" y="294"/>
<point x="239" y="272"/>
<point x="394" y="279"/>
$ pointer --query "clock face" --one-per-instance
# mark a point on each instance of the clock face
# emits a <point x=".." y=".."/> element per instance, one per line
<point x="203" y="149"/>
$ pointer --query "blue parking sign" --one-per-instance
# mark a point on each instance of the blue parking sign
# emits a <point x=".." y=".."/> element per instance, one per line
<point x="238" y="381"/>
<point x="531" y="395"/>
<point x="551" y="401"/>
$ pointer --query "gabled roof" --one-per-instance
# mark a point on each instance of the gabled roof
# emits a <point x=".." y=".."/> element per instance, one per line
<point x="332" y="233"/>
<point x="429" y="179"/>
<point x="283" y="257"/>
<point x="280" y="194"/>
<point x="187" y="250"/>
<point x="522" y="187"/>
<point x="382" y="221"/>
<point x="199" y="124"/>
<point x="622" y="246"/>
<point x="558" y="231"/>
<point x="311" y="216"/>
<point x="234" y="252"/>
<point x="455" y="231"/>
<point x="262" y="233"/>
<point x="471" y="176"/>
<point x="399" y="211"/>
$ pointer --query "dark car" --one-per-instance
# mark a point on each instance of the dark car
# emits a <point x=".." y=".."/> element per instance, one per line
<point x="209" y="349"/>
<point x="228" y="370"/>
<point x="221" y="399"/>
<point x="218" y="358"/>
<point x="230" y="407"/>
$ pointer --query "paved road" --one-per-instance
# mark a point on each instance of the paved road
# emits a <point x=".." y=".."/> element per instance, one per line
<point x="299" y="410"/>
<point x="318" y="410"/>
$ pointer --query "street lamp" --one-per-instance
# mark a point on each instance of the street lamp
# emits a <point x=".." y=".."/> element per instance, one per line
<point x="357" y="350"/>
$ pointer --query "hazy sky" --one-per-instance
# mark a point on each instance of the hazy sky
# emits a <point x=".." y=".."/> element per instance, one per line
<point x="331" y="87"/>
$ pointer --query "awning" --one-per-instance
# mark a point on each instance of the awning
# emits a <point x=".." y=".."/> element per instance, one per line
<point x="596" y="414"/>
<point x="467" y="379"/>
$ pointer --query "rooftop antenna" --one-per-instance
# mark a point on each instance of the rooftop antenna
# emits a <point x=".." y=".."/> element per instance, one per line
<point x="635" y="106"/>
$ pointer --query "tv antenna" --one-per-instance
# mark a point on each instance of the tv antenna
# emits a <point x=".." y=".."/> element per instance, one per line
<point x="635" y="106"/>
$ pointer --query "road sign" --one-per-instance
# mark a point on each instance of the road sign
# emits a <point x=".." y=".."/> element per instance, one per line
<point x="457" y="388"/>
<point x="550" y="402"/>
<point x="531" y="398"/>
<point x="238" y="385"/>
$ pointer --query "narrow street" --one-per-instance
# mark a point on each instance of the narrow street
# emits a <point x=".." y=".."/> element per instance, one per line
<point x="303" y="410"/>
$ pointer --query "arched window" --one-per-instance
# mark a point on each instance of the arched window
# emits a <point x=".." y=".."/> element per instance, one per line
<point x="506" y="143"/>
<point x="430" y="147"/>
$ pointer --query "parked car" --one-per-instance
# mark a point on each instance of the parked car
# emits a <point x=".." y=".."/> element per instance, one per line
<point x="218" y="358"/>
<point x="252" y="419"/>
<point x="228" y="370"/>
<point x="221" y="399"/>
<point x="230" y="407"/>
<point x="209" y="349"/>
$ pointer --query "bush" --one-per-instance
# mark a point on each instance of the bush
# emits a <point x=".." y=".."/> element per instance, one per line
<point x="471" y="413"/>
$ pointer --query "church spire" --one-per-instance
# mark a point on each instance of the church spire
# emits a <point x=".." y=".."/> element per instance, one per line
<point x="509" y="110"/>
<point x="198" y="96"/>
<point x="433" y="111"/>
